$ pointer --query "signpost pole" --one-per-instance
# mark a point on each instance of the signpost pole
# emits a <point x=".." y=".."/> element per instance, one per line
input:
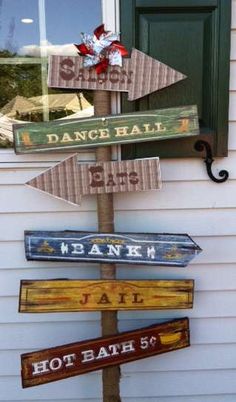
<point x="105" y="212"/>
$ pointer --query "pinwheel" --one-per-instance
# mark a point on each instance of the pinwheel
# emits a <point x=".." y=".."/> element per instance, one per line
<point x="101" y="49"/>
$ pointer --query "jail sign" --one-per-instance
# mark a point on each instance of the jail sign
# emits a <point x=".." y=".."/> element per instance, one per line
<point x="51" y="296"/>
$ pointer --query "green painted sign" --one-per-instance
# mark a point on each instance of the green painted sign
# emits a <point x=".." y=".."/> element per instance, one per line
<point x="117" y="129"/>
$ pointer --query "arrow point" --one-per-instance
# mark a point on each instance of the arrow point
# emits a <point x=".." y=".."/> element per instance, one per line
<point x="150" y="75"/>
<point x="61" y="181"/>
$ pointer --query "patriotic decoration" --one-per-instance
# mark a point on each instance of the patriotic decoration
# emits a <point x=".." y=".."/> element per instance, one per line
<point x="101" y="49"/>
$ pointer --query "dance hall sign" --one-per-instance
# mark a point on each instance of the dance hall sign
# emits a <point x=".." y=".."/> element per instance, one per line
<point x="140" y="75"/>
<point x="53" y="296"/>
<point x="126" y="128"/>
<point x="129" y="248"/>
<point x="73" y="359"/>
<point x="69" y="180"/>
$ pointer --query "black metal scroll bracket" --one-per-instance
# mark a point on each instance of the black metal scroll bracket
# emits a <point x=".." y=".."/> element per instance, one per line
<point x="200" y="146"/>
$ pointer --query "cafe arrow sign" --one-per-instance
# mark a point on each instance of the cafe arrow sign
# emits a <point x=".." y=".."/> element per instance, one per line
<point x="78" y="358"/>
<point x="140" y="75"/>
<point x="129" y="248"/>
<point x="110" y="130"/>
<point x="69" y="180"/>
<point x="53" y="296"/>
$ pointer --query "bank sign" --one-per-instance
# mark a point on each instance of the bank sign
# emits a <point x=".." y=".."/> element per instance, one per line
<point x="151" y="249"/>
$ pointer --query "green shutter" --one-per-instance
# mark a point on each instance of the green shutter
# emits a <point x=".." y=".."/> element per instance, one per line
<point x="192" y="36"/>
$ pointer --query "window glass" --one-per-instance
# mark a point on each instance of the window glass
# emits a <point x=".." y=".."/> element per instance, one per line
<point x="30" y="31"/>
<point x="19" y="25"/>
<point x="66" y="19"/>
<point x="18" y="84"/>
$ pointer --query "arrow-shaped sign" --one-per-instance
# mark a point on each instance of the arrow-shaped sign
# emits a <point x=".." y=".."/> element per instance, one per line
<point x="139" y="76"/>
<point x="129" y="248"/>
<point x="77" y="358"/>
<point x="117" y="129"/>
<point x="69" y="180"/>
<point x="53" y="296"/>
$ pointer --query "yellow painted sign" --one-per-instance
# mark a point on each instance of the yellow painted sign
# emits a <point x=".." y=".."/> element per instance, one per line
<point x="73" y="295"/>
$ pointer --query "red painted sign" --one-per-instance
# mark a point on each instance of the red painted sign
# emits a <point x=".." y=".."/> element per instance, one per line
<point x="82" y="357"/>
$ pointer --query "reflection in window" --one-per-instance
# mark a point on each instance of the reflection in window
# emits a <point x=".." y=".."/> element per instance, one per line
<point x="30" y="30"/>
<point x="19" y="24"/>
<point x="18" y="82"/>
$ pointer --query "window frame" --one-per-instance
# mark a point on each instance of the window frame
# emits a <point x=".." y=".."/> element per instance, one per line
<point x="111" y="19"/>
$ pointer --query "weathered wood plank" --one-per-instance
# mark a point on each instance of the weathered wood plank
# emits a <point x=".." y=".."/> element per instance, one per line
<point x="69" y="72"/>
<point x="82" y="357"/>
<point x="129" y="248"/>
<point x="69" y="180"/>
<point x="73" y="295"/>
<point x="109" y="130"/>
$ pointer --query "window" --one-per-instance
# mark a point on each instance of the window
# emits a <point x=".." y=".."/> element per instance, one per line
<point x="192" y="36"/>
<point x="31" y="30"/>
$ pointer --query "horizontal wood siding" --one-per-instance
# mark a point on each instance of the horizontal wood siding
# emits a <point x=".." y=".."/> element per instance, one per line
<point x="188" y="203"/>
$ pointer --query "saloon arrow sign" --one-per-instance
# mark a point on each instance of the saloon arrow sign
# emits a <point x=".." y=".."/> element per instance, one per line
<point x="129" y="248"/>
<point x="140" y="75"/>
<point x="78" y="358"/>
<point x="69" y="180"/>
<point x="98" y="131"/>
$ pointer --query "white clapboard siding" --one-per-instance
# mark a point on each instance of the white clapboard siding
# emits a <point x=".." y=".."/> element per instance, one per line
<point x="189" y="202"/>
<point x="179" y="383"/>
<point x="20" y="198"/>
<point x="79" y="387"/>
<point x="199" y="398"/>
<point x="54" y="332"/>
<point x="36" y="399"/>
<point x="125" y="221"/>
<point x="207" y="398"/>
<point x="189" y="169"/>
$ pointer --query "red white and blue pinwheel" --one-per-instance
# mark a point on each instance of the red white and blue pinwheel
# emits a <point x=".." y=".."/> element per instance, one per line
<point x="101" y="49"/>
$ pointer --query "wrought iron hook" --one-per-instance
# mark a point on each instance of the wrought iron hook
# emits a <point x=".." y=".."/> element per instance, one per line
<point x="200" y="146"/>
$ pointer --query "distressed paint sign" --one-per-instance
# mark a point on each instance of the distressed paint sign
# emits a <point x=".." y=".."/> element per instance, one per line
<point x="120" y="129"/>
<point x="129" y="248"/>
<point x="65" y="361"/>
<point x="69" y="180"/>
<point x="140" y="75"/>
<point x="73" y="295"/>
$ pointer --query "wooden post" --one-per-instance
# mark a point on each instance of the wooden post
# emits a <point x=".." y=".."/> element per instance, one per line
<point x="105" y="211"/>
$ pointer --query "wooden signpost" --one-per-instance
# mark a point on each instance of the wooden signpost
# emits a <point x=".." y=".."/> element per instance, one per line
<point x="69" y="180"/>
<point x="140" y="75"/>
<point x="125" y="128"/>
<point x="65" y="361"/>
<point x="129" y="248"/>
<point x="72" y="295"/>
